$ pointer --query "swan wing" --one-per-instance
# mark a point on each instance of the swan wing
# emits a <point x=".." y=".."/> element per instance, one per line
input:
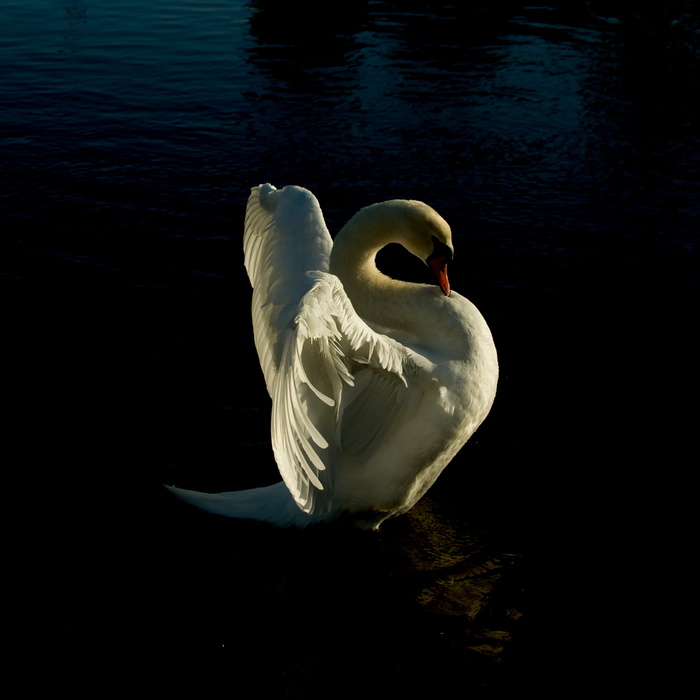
<point x="326" y="346"/>
<point x="334" y="381"/>
<point x="285" y="235"/>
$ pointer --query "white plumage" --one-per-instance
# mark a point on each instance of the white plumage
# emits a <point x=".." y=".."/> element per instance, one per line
<point x="375" y="383"/>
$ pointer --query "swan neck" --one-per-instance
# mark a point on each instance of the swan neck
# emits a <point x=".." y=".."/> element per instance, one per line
<point x="353" y="257"/>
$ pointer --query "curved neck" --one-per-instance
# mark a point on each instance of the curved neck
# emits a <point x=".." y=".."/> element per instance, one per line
<point x="353" y="257"/>
<point x="374" y="295"/>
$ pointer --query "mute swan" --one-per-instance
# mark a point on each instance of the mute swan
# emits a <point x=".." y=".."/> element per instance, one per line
<point x="375" y="383"/>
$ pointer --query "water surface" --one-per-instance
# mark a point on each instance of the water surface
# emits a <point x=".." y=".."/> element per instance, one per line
<point x="561" y="143"/>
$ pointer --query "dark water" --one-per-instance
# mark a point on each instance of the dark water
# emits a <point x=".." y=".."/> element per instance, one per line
<point x="561" y="145"/>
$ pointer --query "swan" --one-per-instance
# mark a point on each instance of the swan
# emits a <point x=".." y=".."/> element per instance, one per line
<point x="375" y="383"/>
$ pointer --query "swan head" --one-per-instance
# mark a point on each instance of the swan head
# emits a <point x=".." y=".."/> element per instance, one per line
<point x="413" y="224"/>
<point x="423" y="232"/>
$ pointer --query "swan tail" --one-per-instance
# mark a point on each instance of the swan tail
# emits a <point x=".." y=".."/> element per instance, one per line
<point x="269" y="504"/>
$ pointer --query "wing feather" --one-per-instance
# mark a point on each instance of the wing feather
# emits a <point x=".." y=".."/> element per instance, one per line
<point x="278" y="251"/>
<point x="322" y="363"/>
<point x="326" y="344"/>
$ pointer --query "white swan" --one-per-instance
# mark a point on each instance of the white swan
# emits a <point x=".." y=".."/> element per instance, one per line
<point x="375" y="383"/>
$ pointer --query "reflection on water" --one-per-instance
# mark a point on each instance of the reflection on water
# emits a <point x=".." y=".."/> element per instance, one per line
<point x="424" y="603"/>
<point x="539" y="130"/>
<point x="458" y="577"/>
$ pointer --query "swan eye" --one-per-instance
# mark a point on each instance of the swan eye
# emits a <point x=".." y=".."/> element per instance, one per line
<point x="440" y="251"/>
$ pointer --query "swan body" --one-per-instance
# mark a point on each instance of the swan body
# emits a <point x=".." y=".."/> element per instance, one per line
<point x="375" y="383"/>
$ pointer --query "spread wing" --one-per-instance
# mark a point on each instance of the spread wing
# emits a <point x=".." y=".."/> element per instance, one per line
<point x="328" y="356"/>
<point x="285" y="235"/>
<point x="318" y="356"/>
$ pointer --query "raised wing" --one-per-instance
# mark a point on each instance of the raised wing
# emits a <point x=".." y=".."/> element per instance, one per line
<point x="285" y="236"/>
<point x="328" y="352"/>
<point x="335" y="383"/>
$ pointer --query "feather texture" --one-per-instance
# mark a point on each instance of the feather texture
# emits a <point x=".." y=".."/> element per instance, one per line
<point x="375" y="383"/>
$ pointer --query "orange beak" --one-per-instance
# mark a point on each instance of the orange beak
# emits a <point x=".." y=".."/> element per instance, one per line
<point x="439" y="267"/>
